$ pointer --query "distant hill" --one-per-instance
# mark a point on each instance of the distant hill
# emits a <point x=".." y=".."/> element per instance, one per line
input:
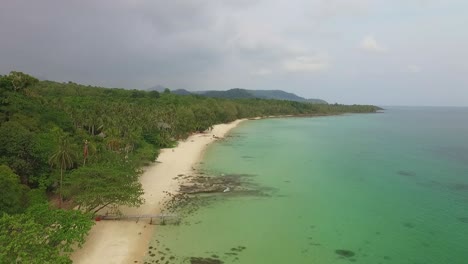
<point x="229" y="94"/>
<point x="282" y="95"/>
<point x="238" y="93"/>
<point x="158" y="88"/>
<point x="181" y="92"/>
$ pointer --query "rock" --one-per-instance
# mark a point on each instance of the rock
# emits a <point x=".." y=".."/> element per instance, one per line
<point x="195" y="260"/>
<point x="345" y="253"/>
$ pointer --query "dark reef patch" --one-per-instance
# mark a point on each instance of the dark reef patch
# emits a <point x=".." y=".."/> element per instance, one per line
<point x="238" y="249"/>
<point x="463" y="219"/>
<point x="200" y="190"/>
<point x="409" y="225"/>
<point x="345" y="253"/>
<point x="458" y="154"/>
<point x="197" y="260"/>
<point x="459" y="187"/>
<point x="406" y="173"/>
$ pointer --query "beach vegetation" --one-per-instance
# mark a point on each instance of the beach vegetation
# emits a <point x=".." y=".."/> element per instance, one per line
<point x="62" y="158"/>
<point x="42" y="235"/>
<point x="97" y="186"/>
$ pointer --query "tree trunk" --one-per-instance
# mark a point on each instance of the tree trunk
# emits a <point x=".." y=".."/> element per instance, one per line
<point x="60" y="187"/>
<point x="98" y="209"/>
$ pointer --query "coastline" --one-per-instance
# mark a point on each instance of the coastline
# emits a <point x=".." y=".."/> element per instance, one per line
<point x="123" y="241"/>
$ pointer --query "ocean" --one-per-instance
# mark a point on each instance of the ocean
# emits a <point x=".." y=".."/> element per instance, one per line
<point x="389" y="187"/>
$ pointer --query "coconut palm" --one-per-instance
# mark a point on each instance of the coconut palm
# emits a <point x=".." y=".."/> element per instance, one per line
<point x="62" y="158"/>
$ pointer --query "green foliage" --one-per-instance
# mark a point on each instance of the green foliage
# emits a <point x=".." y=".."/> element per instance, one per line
<point x="65" y="228"/>
<point x="16" y="148"/>
<point x="37" y="196"/>
<point x="17" y="81"/>
<point x="62" y="158"/>
<point x="13" y="193"/>
<point x="95" y="187"/>
<point x="22" y="240"/>
<point x="42" y="235"/>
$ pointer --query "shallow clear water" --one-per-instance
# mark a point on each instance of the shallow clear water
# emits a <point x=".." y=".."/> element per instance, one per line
<point x="389" y="187"/>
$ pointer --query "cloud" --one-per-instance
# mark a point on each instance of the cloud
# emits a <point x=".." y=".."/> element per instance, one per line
<point x="307" y="64"/>
<point x="369" y="43"/>
<point x="413" y="68"/>
<point x="262" y="72"/>
<point x="257" y="44"/>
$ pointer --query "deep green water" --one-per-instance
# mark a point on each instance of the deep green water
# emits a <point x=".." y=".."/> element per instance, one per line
<point x="390" y="187"/>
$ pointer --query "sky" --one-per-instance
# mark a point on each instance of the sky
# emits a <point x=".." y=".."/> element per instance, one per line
<point x="398" y="52"/>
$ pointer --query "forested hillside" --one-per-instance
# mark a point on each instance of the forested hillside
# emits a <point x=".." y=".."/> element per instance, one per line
<point x="238" y="93"/>
<point x="65" y="145"/>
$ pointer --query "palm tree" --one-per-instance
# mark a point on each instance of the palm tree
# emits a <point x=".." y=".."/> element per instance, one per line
<point x="62" y="158"/>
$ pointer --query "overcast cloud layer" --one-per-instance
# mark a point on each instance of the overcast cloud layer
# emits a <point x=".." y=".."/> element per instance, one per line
<point x="399" y="52"/>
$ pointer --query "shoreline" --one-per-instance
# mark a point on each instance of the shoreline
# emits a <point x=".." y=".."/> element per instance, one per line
<point x="126" y="241"/>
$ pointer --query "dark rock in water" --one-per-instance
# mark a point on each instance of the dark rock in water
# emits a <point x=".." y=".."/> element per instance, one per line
<point x="463" y="219"/>
<point x="459" y="187"/>
<point x="199" y="190"/>
<point x="236" y="184"/>
<point x="408" y="225"/>
<point x="345" y="253"/>
<point x="238" y="249"/>
<point x="195" y="260"/>
<point x="406" y="173"/>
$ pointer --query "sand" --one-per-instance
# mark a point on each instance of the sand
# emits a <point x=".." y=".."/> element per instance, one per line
<point x="116" y="242"/>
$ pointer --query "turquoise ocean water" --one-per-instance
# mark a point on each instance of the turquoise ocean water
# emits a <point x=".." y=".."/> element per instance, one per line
<point x="383" y="188"/>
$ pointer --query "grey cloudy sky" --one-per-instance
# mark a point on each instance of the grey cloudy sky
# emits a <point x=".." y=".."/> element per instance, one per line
<point x="399" y="52"/>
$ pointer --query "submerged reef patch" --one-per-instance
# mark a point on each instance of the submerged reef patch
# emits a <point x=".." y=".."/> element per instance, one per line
<point x="408" y="225"/>
<point x="345" y="253"/>
<point x="201" y="190"/>
<point x="197" y="260"/>
<point x="459" y="187"/>
<point x="406" y="173"/>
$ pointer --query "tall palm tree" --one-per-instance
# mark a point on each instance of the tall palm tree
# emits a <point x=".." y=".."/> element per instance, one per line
<point x="62" y="158"/>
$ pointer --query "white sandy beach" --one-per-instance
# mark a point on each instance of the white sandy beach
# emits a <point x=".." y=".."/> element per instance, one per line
<point x="118" y="242"/>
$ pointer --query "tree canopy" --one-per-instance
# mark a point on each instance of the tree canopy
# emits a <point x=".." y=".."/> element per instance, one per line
<point x="42" y="235"/>
<point x="13" y="194"/>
